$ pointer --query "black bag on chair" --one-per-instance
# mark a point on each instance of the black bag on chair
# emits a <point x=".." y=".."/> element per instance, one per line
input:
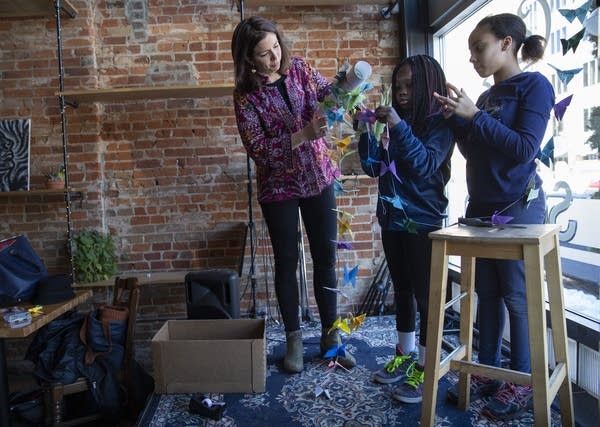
<point x="103" y="333"/>
<point x="20" y="270"/>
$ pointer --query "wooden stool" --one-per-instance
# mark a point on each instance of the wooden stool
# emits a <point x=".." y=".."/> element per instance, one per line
<point x="537" y="245"/>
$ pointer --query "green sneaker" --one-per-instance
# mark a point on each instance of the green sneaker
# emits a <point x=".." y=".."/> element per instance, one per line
<point x="411" y="391"/>
<point x="395" y="370"/>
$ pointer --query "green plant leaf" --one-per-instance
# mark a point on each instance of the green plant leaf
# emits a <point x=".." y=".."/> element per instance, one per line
<point x="94" y="256"/>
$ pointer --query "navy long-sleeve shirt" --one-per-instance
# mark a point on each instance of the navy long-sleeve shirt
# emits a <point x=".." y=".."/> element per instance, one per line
<point x="423" y="167"/>
<point x="502" y="141"/>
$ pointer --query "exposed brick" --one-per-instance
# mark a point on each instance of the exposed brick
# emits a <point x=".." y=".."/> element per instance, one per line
<point x="167" y="176"/>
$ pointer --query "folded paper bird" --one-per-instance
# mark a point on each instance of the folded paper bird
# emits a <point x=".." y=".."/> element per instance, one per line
<point x="579" y="13"/>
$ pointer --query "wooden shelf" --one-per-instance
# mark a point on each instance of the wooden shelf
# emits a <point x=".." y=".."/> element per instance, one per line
<point x="40" y="192"/>
<point x="33" y="8"/>
<point x="144" y="279"/>
<point x="79" y="96"/>
<point x="255" y="3"/>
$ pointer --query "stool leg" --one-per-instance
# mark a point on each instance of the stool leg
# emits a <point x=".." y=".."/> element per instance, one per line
<point x="534" y="279"/>
<point x="559" y="330"/>
<point x="467" y="306"/>
<point x="435" y="327"/>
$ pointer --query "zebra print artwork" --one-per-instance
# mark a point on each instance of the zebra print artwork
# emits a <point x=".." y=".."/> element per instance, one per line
<point x="14" y="154"/>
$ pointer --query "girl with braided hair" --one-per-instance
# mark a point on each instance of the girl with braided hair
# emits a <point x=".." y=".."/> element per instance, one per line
<point x="413" y="167"/>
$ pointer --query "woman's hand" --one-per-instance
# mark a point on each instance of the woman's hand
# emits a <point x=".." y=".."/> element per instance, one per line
<point x="457" y="102"/>
<point x="315" y="129"/>
<point x="387" y="115"/>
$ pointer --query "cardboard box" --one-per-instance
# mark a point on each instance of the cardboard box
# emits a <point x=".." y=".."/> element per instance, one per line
<point x="225" y="355"/>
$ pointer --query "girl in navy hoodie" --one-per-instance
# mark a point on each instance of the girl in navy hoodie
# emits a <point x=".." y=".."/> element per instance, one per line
<point x="413" y="167"/>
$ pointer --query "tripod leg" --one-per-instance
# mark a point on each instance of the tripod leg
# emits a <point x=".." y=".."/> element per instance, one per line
<point x="368" y="301"/>
<point x="243" y="252"/>
<point x="267" y="255"/>
<point x="374" y="289"/>
<point x="250" y="233"/>
<point x="304" y="307"/>
<point x="385" y="288"/>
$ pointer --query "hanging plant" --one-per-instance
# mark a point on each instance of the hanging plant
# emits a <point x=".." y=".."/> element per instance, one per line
<point x="55" y="179"/>
<point x="94" y="256"/>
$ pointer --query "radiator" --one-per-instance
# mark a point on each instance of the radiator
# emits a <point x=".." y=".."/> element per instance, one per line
<point x="584" y="365"/>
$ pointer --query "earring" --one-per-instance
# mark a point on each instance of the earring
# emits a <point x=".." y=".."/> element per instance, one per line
<point x="253" y="70"/>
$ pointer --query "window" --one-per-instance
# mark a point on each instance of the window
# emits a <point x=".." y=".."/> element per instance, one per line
<point x="572" y="182"/>
<point x="586" y="119"/>
<point x="589" y="73"/>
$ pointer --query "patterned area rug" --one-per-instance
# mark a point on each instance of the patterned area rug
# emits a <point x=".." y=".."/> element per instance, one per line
<point x="355" y="400"/>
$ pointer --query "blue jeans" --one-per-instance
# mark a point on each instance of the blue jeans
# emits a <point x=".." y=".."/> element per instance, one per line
<point x="500" y="284"/>
<point x="320" y="223"/>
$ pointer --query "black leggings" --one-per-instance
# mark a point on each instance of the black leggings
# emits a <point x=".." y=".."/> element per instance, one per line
<point x="320" y="224"/>
<point x="408" y="257"/>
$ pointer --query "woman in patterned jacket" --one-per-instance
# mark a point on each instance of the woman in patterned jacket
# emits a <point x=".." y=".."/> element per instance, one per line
<point x="276" y="101"/>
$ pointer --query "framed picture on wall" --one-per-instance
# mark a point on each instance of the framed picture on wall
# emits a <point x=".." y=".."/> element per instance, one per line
<point x="15" y="136"/>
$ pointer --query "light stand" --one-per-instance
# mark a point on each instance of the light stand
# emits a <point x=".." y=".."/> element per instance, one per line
<point x="250" y="228"/>
<point x="251" y="233"/>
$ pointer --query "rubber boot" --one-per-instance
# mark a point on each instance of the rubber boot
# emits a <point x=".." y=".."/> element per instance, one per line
<point x="293" y="361"/>
<point x="331" y="340"/>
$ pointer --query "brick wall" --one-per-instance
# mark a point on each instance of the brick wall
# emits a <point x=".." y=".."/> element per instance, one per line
<point x="167" y="177"/>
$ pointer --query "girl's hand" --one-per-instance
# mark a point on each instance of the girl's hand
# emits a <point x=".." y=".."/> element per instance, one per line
<point x="385" y="114"/>
<point x="457" y="102"/>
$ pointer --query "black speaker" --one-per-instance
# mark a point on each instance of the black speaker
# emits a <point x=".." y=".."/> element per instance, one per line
<point x="212" y="294"/>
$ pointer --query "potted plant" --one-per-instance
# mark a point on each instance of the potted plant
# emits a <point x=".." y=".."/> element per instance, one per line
<point x="94" y="257"/>
<point x="55" y="179"/>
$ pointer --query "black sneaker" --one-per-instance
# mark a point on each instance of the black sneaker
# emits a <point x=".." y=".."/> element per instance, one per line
<point x="395" y="369"/>
<point x="509" y="402"/>
<point x="480" y="387"/>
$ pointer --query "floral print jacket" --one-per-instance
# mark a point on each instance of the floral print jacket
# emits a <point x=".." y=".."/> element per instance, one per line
<point x="265" y="124"/>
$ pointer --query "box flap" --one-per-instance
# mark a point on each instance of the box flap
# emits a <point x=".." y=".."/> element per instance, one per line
<point x="163" y="333"/>
<point x="217" y="329"/>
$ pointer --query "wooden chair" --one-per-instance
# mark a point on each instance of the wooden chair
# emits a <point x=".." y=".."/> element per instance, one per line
<point x="126" y="293"/>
